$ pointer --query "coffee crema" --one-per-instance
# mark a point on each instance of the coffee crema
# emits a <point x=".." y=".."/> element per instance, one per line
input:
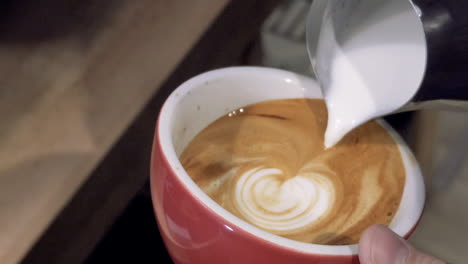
<point x="266" y="163"/>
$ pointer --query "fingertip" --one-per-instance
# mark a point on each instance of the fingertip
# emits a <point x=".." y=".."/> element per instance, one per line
<point x="365" y="243"/>
<point x="379" y="244"/>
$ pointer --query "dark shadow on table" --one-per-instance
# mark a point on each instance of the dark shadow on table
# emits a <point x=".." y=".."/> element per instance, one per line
<point x="134" y="237"/>
<point x="27" y="22"/>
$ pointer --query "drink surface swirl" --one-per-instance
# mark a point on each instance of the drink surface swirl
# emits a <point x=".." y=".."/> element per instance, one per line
<point x="266" y="163"/>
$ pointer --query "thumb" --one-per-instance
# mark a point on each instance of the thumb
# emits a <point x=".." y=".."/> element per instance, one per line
<point x="379" y="245"/>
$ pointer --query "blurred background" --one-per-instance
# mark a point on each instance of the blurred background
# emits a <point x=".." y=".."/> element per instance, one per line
<point x="81" y="86"/>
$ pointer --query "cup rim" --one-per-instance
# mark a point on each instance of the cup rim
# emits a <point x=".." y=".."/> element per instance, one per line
<point x="163" y="134"/>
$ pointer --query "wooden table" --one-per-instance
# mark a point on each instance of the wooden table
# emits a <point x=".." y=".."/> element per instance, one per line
<point x="81" y="86"/>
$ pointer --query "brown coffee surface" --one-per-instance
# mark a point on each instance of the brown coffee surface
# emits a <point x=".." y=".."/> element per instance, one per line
<point x="266" y="164"/>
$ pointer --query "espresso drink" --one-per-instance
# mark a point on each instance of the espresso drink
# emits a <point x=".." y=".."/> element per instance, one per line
<point x="266" y="163"/>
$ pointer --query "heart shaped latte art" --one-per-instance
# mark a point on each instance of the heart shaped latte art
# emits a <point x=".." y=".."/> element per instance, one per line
<point x="282" y="204"/>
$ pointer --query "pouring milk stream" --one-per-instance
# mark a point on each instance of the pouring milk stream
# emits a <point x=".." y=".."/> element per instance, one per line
<point x="369" y="58"/>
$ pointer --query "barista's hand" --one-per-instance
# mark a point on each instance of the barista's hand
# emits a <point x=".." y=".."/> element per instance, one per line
<point x="379" y="245"/>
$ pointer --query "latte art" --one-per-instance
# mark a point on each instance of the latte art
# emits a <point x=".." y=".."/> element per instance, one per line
<point x="267" y="165"/>
<point x="264" y="198"/>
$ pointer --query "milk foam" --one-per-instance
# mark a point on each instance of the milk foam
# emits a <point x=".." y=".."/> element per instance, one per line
<point x="267" y="200"/>
<point x="370" y="61"/>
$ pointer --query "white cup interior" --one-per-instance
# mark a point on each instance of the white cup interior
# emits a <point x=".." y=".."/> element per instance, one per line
<point x="206" y="97"/>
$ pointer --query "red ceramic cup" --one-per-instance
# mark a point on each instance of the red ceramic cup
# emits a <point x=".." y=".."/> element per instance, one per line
<point x="196" y="229"/>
